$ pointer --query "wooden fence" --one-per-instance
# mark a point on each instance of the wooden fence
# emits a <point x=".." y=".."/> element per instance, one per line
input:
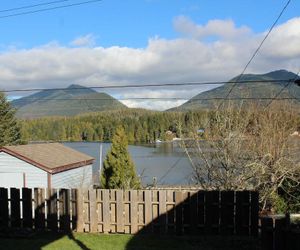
<point x="278" y="233"/>
<point x="132" y="211"/>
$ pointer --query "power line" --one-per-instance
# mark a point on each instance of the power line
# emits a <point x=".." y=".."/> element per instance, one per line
<point x="257" y="50"/>
<point x="161" y="98"/>
<point x="145" y="85"/>
<point x="48" y="9"/>
<point x="169" y="170"/>
<point x="32" y="6"/>
<point x="282" y="89"/>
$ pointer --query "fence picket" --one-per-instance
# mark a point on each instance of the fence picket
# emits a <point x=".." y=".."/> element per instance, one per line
<point x="120" y="208"/>
<point x="93" y="211"/>
<point x="105" y="211"/>
<point x="3" y="208"/>
<point x="133" y="211"/>
<point x="39" y="208"/>
<point x="15" y="216"/>
<point x="179" y="210"/>
<point x="27" y="207"/>
<point x="162" y="211"/>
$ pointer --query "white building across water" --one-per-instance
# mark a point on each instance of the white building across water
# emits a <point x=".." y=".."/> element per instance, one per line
<point x="47" y="165"/>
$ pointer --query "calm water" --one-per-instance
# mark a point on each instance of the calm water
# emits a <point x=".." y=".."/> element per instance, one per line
<point x="165" y="161"/>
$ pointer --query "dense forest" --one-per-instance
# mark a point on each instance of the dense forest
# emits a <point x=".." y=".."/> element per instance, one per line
<point x="140" y="125"/>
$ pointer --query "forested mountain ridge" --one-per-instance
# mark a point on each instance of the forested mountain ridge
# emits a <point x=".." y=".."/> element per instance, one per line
<point x="263" y="86"/>
<point x="71" y="101"/>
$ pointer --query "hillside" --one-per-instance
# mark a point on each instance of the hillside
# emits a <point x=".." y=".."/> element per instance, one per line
<point x="254" y="89"/>
<point x="71" y="101"/>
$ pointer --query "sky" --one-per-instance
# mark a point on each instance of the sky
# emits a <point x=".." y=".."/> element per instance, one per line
<point x="114" y="42"/>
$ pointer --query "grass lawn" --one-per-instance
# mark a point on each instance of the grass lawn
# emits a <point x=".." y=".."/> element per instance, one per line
<point x="50" y="241"/>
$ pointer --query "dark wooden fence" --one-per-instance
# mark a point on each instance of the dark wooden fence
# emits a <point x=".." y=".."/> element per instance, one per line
<point x="278" y="233"/>
<point x="132" y="211"/>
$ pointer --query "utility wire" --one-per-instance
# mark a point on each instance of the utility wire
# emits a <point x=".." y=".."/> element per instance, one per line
<point x="144" y="85"/>
<point x="33" y="6"/>
<point x="283" y="88"/>
<point x="48" y="9"/>
<point x="160" y="98"/>
<point x="257" y="50"/>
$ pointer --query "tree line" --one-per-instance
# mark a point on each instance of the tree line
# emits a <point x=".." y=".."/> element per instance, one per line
<point x="140" y="126"/>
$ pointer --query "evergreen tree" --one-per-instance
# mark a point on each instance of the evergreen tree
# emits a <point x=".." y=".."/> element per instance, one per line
<point x="9" y="127"/>
<point x="118" y="168"/>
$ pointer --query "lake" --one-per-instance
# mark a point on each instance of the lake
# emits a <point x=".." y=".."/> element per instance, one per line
<point x="164" y="161"/>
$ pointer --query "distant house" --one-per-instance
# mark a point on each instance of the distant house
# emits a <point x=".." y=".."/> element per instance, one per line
<point x="48" y="165"/>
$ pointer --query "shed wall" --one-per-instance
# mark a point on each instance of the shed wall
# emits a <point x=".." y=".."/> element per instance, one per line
<point x="34" y="177"/>
<point x="74" y="178"/>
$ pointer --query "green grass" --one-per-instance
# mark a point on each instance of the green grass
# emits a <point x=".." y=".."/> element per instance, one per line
<point x="127" y="242"/>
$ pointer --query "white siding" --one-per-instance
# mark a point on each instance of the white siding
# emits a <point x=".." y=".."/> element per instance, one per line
<point x="74" y="178"/>
<point x="34" y="176"/>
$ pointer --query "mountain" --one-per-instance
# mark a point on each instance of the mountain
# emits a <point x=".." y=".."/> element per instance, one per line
<point x="71" y="101"/>
<point x="273" y="83"/>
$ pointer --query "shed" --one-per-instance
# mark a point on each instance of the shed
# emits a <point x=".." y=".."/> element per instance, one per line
<point x="45" y="165"/>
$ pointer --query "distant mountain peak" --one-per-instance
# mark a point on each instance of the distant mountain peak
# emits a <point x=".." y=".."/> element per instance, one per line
<point x="73" y="100"/>
<point x="260" y="87"/>
<point x="76" y="86"/>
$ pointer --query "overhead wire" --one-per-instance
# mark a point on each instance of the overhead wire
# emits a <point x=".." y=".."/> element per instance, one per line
<point x="257" y="50"/>
<point x="282" y="89"/>
<point x="33" y="6"/>
<point x="48" y="9"/>
<point x="144" y="85"/>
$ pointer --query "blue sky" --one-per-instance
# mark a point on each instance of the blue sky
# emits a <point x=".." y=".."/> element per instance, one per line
<point x="145" y="41"/>
<point x="131" y="22"/>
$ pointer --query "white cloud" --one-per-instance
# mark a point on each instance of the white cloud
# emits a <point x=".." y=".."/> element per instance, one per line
<point x="88" y="40"/>
<point x="220" y="28"/>
<point x="189" y="58"/>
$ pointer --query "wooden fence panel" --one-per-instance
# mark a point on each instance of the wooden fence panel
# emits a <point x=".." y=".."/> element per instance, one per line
<point x="15" y="214"/>
<point x="3" y="208"/>
<point x="52" y="220"/>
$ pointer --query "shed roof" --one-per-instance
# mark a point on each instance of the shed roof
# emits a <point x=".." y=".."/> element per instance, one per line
<point x="51" y="157"/>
